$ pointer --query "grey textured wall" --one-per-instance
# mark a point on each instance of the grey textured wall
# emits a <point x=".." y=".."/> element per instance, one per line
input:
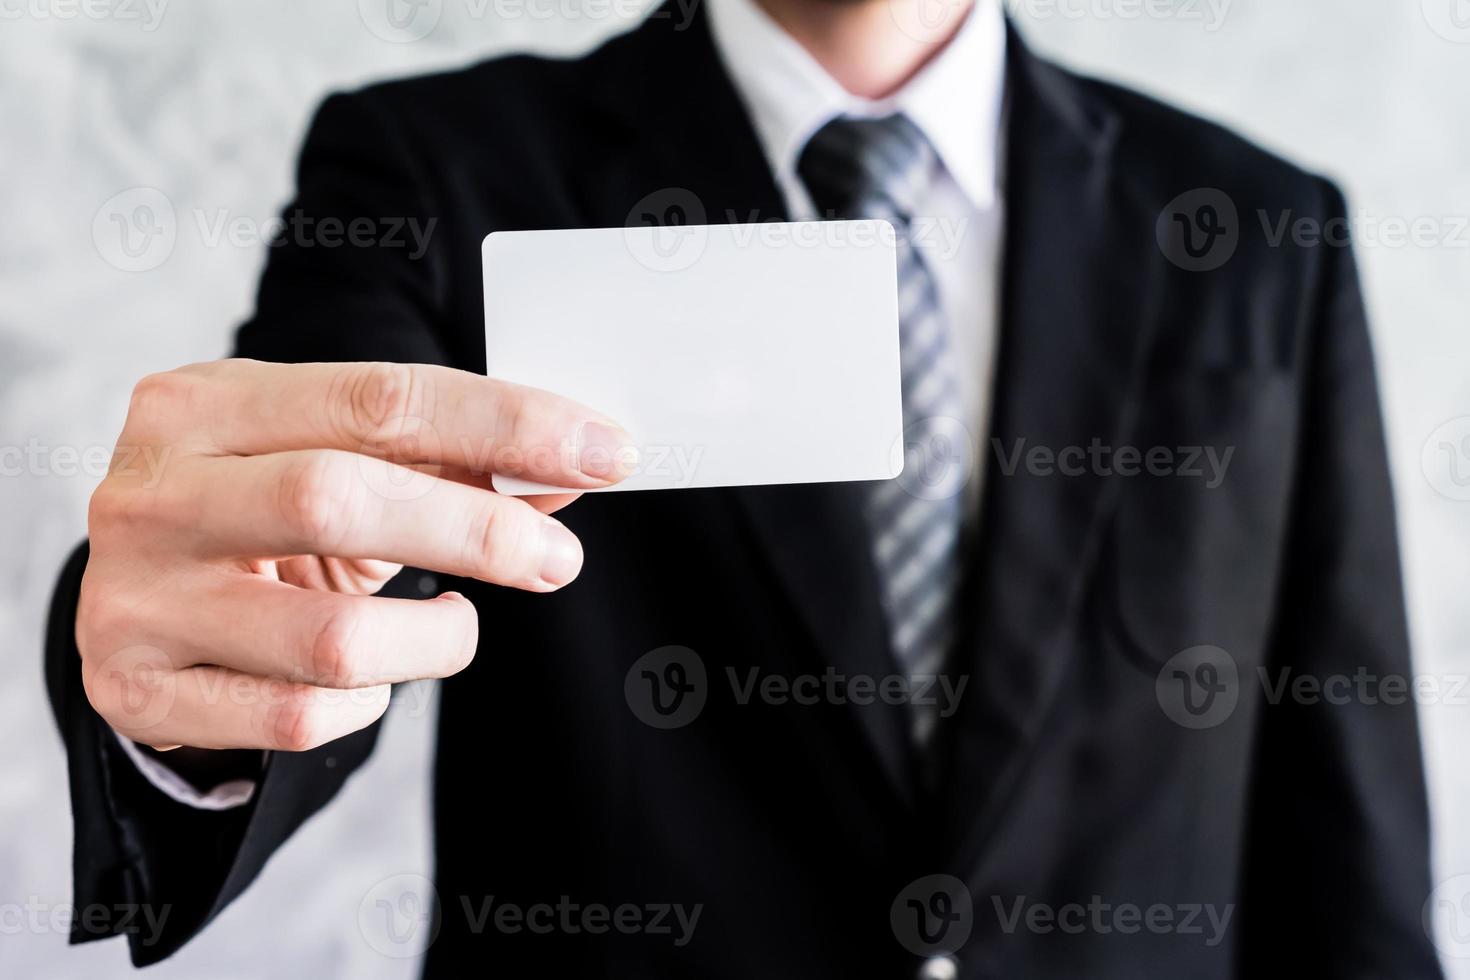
<point x="205" y="101"/>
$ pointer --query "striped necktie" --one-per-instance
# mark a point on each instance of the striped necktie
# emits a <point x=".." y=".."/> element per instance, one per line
<point x="877" y="168"/>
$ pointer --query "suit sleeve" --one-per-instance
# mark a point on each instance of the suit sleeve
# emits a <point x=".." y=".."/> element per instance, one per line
<point x="372" y="299"/>
<point x="1338" y="862"/>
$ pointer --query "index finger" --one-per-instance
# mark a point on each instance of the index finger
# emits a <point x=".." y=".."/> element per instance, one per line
<point x="410" y="414"/>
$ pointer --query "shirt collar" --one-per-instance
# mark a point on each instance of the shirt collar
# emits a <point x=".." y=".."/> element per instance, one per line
<point x="955" y="99"/>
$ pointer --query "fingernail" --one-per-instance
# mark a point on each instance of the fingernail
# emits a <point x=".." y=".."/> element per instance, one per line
<point x="605" y="451"/>
<point x="561" y="555"/>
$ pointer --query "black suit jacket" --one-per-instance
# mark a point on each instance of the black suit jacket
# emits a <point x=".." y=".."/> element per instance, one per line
<point x="1062" y="781"/>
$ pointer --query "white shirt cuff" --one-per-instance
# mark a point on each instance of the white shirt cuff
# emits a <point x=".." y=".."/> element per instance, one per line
<point x="225" y="796"/>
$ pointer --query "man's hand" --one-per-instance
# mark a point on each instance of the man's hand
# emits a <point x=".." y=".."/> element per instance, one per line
<point x="253" y="509"/>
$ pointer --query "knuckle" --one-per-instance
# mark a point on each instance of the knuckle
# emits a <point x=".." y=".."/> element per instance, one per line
<point x="376" y="397"/>
<point x="106" y="701"/>
<point x="502" y="545"/>
<point x="161" y="398"/>
<point x="100" y="614"/>
<point x="513" y="417"/>
<point x="534" y="433"/>
<point x="317" y="499"/>
<point x="333" y="656"/>
<point x="299" y="723"/>
<point x="218" y="368"/>
<point x="124" y="514"/>
<point x="112" y="506"/>
<point x="132" y="689"/>
<point x="100" y="693"/>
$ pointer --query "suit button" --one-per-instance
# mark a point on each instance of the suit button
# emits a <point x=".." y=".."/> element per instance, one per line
<point x="939" y="968"/>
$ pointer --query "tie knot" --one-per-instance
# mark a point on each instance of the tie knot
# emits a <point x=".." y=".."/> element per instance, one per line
<point x="867" y="168"/>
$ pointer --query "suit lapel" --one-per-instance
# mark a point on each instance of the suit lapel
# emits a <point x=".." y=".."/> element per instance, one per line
<point x="1077" y="314"/>
<point x="686" y="153"/>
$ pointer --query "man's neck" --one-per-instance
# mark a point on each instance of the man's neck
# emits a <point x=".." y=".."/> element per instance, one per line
<point x="871" y="47"/>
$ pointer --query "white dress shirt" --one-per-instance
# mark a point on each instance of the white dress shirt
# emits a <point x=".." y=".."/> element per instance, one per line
<point x="957" y="101"/>
<point x="225" y="796"/>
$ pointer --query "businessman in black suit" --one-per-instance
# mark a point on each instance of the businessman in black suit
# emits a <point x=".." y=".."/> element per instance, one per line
<point x="1114" y="784"/>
